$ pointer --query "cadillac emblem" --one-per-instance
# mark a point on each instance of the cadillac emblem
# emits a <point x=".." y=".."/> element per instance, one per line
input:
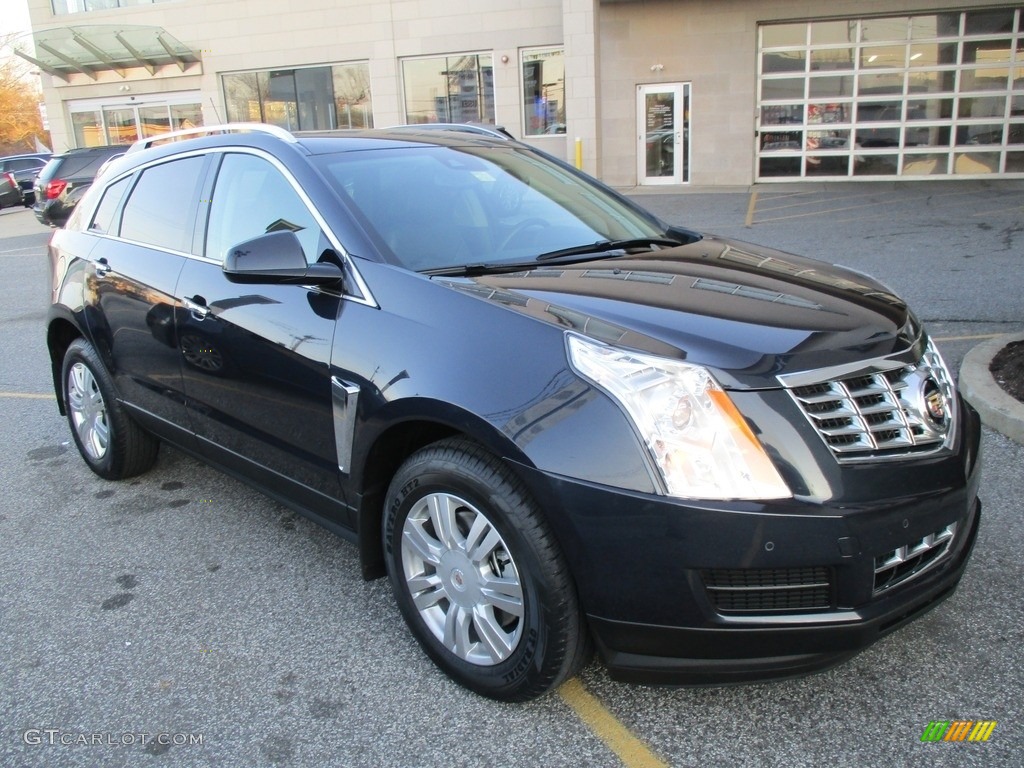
<point x="934" y="403"/>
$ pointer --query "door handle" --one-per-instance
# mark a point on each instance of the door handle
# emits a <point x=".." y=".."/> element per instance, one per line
<point x="197" y="307"/>
<point x="102" y="267"/>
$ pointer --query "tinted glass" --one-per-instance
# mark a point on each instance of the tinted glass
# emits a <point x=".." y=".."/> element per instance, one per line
<point x="251" y="198"/>
<point x="160" y="208"/>
<point x="436" y="207"/>
<point x="79" y="165"/>
<point x="103" y="219"/>
<point x="23" y="164"/>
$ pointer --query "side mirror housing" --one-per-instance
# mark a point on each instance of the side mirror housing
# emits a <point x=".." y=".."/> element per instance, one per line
<point x="276" y="257"/>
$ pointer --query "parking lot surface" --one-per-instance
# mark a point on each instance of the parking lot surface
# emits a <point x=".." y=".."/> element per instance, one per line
<point x="182" y="619"/>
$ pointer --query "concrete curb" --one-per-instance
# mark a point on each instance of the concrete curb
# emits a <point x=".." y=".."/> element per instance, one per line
<point x="998" y="410"/>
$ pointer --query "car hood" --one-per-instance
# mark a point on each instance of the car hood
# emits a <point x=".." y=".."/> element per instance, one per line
<point x="747" y="312"/>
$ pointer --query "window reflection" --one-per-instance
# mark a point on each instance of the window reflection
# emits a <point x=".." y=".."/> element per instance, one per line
<point x="988" y="22"/>
<point x="784" y="61"/>
<point x="307" y="99"/>
<point x="925" y="164"/>
<point x="975" y="163"/>
<point x="932" y="54"/>
<point x="88" y="128"/>
<point x="939" y="25"/>
<point x="830" y="86"/>
<point x="544" y="92"/>
<point x="832" y="58"/>
<point x="879" y="30"/>
<point x="778" y="35"/>
<point x="831" y="32"/>
<point x="785" y="88"/>
<point x="449" y="89"/>
<point x="907" y="91"/>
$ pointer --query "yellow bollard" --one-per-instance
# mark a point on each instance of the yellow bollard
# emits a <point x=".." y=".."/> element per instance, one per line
<point x="579" y="153"/>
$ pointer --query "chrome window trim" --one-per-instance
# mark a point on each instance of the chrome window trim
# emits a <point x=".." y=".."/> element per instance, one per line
<point x="363" y="294"/>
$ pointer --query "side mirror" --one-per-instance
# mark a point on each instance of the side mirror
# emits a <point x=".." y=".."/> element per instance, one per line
<point x="276" y="257"/>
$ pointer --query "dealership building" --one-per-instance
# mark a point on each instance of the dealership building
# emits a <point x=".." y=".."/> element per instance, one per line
<point x="641" y="92"/>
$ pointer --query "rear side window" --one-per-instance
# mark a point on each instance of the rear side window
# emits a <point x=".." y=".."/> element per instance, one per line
<point x="161" y="208"/>
<point x="23" y="164"/>
<point x="50" y="169"/>
<point x="103" y="220"/>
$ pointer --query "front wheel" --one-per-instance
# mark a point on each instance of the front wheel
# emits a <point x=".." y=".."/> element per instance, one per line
<point x="113" y="445"/>
<point x="478" y="576"/>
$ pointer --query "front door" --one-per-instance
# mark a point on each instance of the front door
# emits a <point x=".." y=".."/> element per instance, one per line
<point x="663" y="145"/>
<point x="256" y="357"/>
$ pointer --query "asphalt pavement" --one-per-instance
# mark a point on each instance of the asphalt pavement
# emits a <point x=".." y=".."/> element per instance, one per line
<point x="181" y="619"/>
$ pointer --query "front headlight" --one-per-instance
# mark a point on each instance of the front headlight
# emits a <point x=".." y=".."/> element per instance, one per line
<point x="700" y="444"/>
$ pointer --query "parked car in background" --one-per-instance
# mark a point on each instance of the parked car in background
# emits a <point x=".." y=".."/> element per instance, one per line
<point x="65" y="178"/>
<point x="25" y="168"/>
<point x="10" y="192"/>
<point x="552" y="420"/>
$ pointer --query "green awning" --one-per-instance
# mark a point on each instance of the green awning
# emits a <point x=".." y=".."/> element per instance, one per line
<point x="64" y="51"/>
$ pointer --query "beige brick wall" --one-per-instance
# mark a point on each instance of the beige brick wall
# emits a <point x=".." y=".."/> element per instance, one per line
<point x="259" y="34"/>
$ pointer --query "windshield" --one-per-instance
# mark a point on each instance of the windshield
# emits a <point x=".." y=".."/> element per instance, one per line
<point x="438" y="207"/>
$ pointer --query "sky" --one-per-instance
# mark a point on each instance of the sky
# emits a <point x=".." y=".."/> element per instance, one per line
<point x="13" y="16"/>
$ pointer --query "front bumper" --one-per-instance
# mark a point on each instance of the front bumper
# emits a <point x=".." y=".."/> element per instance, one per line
<point x="730" y="592"/>
<point x="803" y="644"/>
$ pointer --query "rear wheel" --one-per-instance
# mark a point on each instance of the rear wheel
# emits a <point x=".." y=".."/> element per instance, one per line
<point x="478" y="576"/>
<point x="111" y="443"/>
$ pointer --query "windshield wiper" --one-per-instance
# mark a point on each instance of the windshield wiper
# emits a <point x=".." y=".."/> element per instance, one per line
<point x="603" y="246"/>
<point x="472" y="270"/>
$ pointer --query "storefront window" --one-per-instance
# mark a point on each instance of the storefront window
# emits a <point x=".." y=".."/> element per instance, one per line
<point x="544" y="92"/>
<point x="305" y="99"/>
<point x="88" y="128"/>
<point x="78" y="6"/>
<point x="933" y="94"/>
<point x="120" y="123"/>
<point x="449" y="89"/>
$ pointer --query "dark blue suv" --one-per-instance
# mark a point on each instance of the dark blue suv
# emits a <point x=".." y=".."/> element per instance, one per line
<point x="555" y="422"/>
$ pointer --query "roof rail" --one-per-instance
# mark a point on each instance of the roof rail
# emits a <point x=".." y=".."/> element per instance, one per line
<point x="210" y="130"/>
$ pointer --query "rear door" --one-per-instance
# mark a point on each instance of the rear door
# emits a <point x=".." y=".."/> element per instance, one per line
<point x="145" y="225"/>
<point x="257" y="357"/>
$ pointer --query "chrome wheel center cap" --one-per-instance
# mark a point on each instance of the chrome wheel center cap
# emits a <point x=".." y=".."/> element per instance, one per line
<point x="458" y="580"/>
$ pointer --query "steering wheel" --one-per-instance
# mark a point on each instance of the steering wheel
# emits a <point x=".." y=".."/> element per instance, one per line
<point x="520" y="229"/>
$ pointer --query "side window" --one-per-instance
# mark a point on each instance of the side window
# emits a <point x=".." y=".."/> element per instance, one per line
<point x="160" y="209"/>
<point x="103" y="219"/>
<point x="23" y="164"/>
<point x="252" y="197"/>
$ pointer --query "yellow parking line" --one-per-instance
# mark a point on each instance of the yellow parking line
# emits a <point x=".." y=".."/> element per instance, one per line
<point x="27" y="395"/>
<point x="630" y="750"/>
<point x="967" y="338"/>
<point x="751" y="207"/>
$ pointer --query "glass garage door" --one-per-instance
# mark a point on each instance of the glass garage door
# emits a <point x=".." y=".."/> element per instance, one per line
<point x="938" y="94"/>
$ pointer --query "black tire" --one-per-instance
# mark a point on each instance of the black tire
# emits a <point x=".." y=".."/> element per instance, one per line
<point x="510" y="648"/>
<point x="112" y="444"/>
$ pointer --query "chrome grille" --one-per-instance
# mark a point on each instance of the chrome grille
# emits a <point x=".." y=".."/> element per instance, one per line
<point x="883" y="407"/>
<point x="907" y="562"/>
<point x="768" y="590"/>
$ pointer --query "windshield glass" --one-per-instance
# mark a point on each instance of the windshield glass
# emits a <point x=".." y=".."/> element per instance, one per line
<point x="438" y="207"/>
